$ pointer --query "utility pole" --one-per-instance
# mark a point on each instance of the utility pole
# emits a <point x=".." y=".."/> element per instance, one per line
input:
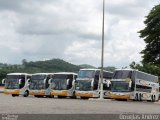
<point x="102" y="54"/>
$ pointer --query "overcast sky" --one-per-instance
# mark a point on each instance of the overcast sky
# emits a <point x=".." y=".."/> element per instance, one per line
<point x="71" y="30"/>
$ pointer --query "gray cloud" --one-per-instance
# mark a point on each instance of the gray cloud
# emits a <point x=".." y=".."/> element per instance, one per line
<point x="44" y="29"/>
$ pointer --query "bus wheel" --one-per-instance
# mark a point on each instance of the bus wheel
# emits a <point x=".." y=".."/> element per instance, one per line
<point x="136" y="97"/>
<point x="26" y="93"/>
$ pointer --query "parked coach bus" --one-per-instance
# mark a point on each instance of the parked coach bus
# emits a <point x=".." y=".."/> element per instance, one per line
<point x="62" y="84"/>
<point x="17" y="84"/>
<point x="39" y="84"/>
<point x="134" y="85"/>
<point x="88" y="83"/>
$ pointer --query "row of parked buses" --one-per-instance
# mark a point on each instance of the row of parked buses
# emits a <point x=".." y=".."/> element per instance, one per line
<point x="122" y="84"/>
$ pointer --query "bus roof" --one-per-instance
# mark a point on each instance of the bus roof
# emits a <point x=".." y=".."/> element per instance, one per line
<point x="42" y="73"/>
<point x="18" y="74"/>
<point x="95" y="69"/>
<point x="67" y="73"/>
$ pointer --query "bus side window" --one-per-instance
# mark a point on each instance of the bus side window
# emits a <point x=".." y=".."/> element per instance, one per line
<point x="106" y="87"/>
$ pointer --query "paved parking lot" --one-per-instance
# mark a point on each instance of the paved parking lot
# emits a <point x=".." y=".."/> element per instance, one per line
<point x="32" y="105"/>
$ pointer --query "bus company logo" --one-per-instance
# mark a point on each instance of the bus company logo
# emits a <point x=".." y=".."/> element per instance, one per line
<point x="9" y="117"/>
<point x="142" y="82"/>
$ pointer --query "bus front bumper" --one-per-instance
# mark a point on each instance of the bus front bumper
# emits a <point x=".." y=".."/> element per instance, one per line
<point x="15" y="92"/>
<point x="59" y="93"/>
<point x="41" y="93"/>
<point x="119" y="96"/>
<point x="84" y="94"/>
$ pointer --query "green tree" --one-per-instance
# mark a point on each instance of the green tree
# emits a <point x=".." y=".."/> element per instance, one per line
<point x="151" y="36"/>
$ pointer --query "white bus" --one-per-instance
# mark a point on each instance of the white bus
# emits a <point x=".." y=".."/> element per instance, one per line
<point x="17" y="84"/>
<point x="134" y="85"/>
<point x="88" y="83"/>
<point x="39" y="84"/>
<point x="62" y="84"/>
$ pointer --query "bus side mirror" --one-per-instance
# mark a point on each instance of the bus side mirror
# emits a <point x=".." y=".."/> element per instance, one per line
<point x="3" y="81"/>
<point x="44" y="81"/>
<point x="73" y="82"/>
<point x="108" y="83"/>
<point x="130" y="84"/>
<point x="28" y="81"/>
<point x="92" y="83"/>
<point x="20" y="81"/>
<point x="49" y="81"/>
<point x="67" y="81"/>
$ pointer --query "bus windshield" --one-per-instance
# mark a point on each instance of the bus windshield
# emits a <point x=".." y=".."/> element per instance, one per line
<point x="120" y="86"/>
<point x="59" y="84"/>
<point x="13" y="76"/>
<point x="37" y="82"/>
<point x="86" y="74"/>
<point x="60" y="76"/>
<point x="123" y="74"/>
<point x="83" y="85"/>
<point x="38" y="77"/>
<point x="12" y="83"/>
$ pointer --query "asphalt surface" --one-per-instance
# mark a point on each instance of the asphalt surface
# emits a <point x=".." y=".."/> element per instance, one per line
<point x="32" y="105"/>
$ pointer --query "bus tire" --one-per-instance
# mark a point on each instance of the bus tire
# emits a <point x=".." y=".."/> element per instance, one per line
<point x="26" y="93"/>
<point x="136" y="97"/>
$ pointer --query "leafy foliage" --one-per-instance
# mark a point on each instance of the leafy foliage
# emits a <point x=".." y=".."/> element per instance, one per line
<point x="86" y="66"/>
<point x="151" y="36"/>
<point x="53" y="65"/>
